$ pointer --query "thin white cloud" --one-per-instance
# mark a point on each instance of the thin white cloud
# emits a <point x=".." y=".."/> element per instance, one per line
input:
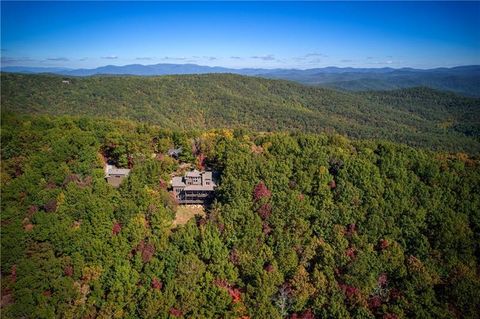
<point x="110" y="57"/>
<point x="58" y="59"/>
<point x="174" y="58"/>
<point x="312" y="57"/>
<point x="386" y="62"/>
<point x="268" y="57"/>
<point x="315" y="54"/>
<point x="15" y="60"/>
<point x="210" y="58"/>
<point x="144" y="58"/>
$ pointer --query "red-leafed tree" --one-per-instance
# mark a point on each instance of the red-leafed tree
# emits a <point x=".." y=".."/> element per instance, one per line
<point x="146" y="250"/>
<point x="116" y="228"/>
<point x="351" y="252"/>
<point x="383" y="244"/>
<point x="32" y="209"/>
<point x="349" y="291"/>
<point x="382" y="280"/>
<point x="176" y="312"/>
<point x="265" y="210"/>
<point x="235" y="294"/>
<point x="269" y="267"/>
<point x="261" y="191"/>
<point x="68" y="271"/>
<point x="374" y="302"/>
<point x="307" y="314"/>
<point x="266" y="229"/>
<point x="157" y="284"/>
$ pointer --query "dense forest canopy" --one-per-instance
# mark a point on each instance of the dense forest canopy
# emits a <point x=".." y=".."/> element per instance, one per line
<point x="464" y="80"/>
<point x="303" y="226"/>
<point x="416" y="116"/>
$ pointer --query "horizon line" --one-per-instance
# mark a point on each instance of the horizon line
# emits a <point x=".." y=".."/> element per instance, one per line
<point x="242" y="68"/>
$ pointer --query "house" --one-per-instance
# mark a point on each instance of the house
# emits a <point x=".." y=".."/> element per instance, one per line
<point x="66" y="81"/>
<point x="114" y="175"/>
<point x="175" y="152"/>
<point x="194" y="188"/>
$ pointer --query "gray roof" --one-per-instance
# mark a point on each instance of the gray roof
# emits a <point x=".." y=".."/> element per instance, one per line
<point x="174" y="151"/>
<point x="207" y="175"/>
<point x="193" y="173"/>
<point x="112" y="170"/>
<point x="118" y="171"/>
<point x="177" y="181"/>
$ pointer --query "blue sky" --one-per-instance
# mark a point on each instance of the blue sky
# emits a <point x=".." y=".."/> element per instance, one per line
<point x="241" y="34"/>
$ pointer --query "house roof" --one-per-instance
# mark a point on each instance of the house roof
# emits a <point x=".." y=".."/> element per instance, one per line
<point x="174" y="151"/>
<point x="178" y="182"/>
<point x="118" y="171"/>
<point x="112" y="170"/>
<point x="207" y="175"/>
<point x="193" y="173"/>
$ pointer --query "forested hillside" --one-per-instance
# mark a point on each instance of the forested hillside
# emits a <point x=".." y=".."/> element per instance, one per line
<point x="304" y="225"/>
<point x="463" y="80"/>
<point x="419" y="117"/>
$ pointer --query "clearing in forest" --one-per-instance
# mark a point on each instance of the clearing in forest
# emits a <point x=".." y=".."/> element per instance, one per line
<point x="187" y="212"/>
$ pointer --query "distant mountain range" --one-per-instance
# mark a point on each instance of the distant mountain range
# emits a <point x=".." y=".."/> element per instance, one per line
<point x="462" y="79"/>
